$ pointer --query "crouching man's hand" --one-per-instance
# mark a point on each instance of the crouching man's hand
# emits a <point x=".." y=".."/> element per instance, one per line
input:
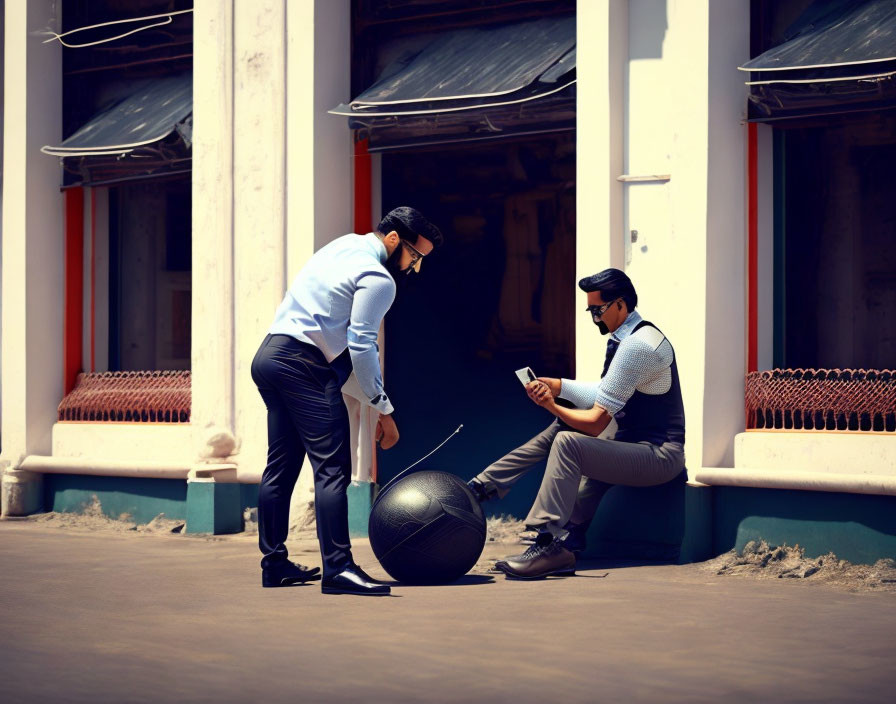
<point x="386" y="432"/>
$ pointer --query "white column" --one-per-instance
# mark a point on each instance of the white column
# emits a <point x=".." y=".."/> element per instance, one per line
<point x="318" y="145"/>
<point x="333" y="151"/>
<point x="728" y="39"/>
<point x="212" y="354"/>
<point x="33" y="236"/>
<point x="300" y="146"/>
<point x="691" y="275"/>
<point x="602" y="29"/>
<point x="259" y="204"/>
<point x="674" y="294"/>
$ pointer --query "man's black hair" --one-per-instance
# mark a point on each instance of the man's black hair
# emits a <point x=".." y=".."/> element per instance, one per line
<point x="408" y="223"/>
<point x="612" y="284"/>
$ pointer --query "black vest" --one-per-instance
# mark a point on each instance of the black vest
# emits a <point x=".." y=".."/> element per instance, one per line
<point x="656" y="418"/>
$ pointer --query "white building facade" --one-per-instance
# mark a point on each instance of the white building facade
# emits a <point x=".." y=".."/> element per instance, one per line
<point x="663" y="190"/>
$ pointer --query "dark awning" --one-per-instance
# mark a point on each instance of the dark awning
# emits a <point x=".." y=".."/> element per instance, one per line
<point x="145" y="116"/>
<point x="839" y="57"/>
<point x="146" y="134"/>
<point x="471" y="83"/>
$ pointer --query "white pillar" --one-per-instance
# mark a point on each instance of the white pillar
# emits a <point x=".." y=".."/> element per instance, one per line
<point x="259" y="204"/>
<point x="33" y="236"/>
<point x="333" y="151"/>
<point x="728" y="39"/>
<point x="601" y="29"/>
<point x="212" y="354"/>
<point x="318" y="145"/>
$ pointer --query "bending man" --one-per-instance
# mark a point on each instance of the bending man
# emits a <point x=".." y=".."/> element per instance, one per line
<point x="326" y="327"/>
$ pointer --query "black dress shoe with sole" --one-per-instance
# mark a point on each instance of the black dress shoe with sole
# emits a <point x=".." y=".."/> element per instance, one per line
<point x="353" y="580"/>
<point x="288" y="574"/>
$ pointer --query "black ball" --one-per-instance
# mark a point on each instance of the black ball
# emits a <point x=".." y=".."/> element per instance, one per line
<point x="427" y="528"/>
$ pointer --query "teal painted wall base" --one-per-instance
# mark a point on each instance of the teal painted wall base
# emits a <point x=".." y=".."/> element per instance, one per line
<point x="670" y="522"/>
<point x="675" y="522"/>
<point x="213" y="507"/>
<point x="856" y="527"/>
<point x="140" y="499"/>
<point x="361" y="496"/>
<point x="248" y="496"/>
<point x="205" y="506"/>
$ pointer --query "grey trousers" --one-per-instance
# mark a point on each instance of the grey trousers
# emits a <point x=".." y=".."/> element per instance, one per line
<point x="580" y="470"/>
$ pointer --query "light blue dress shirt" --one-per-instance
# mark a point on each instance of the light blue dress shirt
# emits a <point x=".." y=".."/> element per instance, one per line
<point x="338" y="300"/>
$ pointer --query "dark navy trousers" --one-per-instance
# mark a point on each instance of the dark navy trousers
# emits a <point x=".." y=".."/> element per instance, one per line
<point x="306" y="415"/>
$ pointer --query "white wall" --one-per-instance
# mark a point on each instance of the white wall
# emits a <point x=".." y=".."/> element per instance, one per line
<point x="331" y="140"/>
<point x="212" y="345"/>
<point x="726" y="236"/>
<point x="650" y="137"/>
<point x="682" y="104"/>
<point x="32" y="258"/>
<point x="259" y="205"/>
<point x="602" y="46"/>
<point x="271" y="183"/>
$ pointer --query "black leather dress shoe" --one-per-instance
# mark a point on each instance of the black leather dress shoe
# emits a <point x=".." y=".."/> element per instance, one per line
<point x="545" y="558"/>
<point x="353" y="580"/>
<point x="361" y="573"/>
<point x="287" y="574"/>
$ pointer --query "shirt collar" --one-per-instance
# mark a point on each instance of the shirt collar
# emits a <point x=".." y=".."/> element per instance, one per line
<point x="628" y="325"/>
<point x="376" y="246"/>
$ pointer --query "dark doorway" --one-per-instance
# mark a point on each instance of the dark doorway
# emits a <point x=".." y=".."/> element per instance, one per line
<point x="498" y="296"/>
<point x="835" y="244"/>
<point x="150" y="275"/>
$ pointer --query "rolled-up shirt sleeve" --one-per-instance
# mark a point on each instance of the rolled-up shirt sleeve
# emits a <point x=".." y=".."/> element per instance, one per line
<point x="371" y="301"/>
<point x="580" y="393"/>
<point x="636" y="363"/>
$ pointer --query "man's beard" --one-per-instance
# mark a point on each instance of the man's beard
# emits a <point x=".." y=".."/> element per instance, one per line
<point x="392" y="265"/>
<point x="602" y="326"/>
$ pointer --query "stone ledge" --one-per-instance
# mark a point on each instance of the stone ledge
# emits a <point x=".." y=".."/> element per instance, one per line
<point x="773" y="478"/>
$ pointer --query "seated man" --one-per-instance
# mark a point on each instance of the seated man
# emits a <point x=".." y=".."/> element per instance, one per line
<point x="639" y="388"/>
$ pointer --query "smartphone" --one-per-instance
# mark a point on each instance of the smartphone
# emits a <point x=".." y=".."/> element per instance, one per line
<point x="525" y="375"/>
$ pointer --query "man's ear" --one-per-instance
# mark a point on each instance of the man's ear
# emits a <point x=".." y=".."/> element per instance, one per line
<point x="392" y="239"/>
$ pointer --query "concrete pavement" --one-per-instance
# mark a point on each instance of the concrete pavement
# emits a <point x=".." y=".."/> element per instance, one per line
<point x="118" y="617"/>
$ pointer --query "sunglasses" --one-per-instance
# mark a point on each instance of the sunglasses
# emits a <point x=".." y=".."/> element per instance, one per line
<point x="416" y="257"/>
<point x="597" y="312"/>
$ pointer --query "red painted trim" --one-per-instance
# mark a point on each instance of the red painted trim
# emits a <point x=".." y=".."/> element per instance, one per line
<point x="92" y="279"/>
<point x="363" y="222"/>
<point x="363" y="188"/>
<point x="752" y="248"/>
<point x="73" y="324"/>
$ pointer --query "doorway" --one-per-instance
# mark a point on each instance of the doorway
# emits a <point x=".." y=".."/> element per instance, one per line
<point x="498" y="296"/>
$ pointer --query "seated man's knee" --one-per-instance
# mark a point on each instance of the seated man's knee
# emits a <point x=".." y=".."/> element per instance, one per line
<point x="566" y="439"/>
<point x="566" y="444"/>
